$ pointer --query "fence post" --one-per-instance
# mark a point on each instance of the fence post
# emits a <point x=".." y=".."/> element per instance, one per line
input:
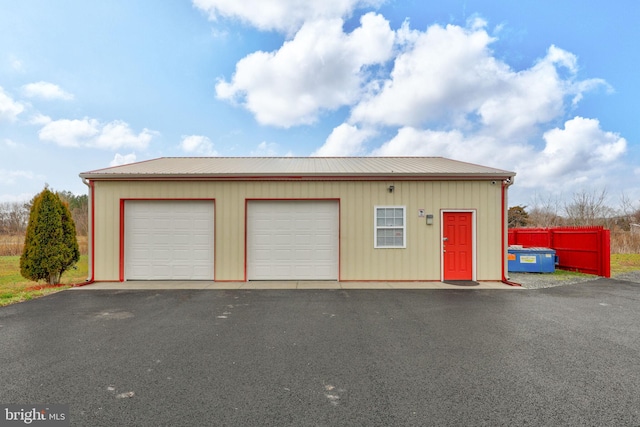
<point x="605" y="251"/>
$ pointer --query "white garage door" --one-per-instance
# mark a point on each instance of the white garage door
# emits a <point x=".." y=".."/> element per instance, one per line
<point x="292" y="240"/>
<point x="168" y="240"/>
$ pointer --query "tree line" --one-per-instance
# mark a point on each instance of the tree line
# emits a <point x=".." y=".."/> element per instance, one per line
<point x="583" y="209"/>
<point x="14" y="216"/>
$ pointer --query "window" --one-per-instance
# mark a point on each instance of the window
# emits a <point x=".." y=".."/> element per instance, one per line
<point x="389" y="227"/>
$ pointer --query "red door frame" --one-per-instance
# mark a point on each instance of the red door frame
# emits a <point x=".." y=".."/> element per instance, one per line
<point x="472" y="240"/>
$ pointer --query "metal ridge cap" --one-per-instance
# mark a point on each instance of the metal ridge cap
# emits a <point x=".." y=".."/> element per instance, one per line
<point x="308" y="175"/>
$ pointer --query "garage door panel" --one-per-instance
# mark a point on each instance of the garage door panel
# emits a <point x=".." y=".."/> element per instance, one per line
<point x="282" y="225"/>
<point x="292" y="240"/>
<point x="281" y="240"/>
<point x="161" y="271"/>
<point x="161" y="255"/>
<point x="262" y="255"/>
<point x="303" y="255"/>
<point x="324" y="255"/>
<point x="201" y="240"/>
<point x="183" y="255"/>
<point x="199" y="255"/>
<point x="161" y="239"/>
<point x="282" y="255"/>
<point x="140" y="253"/>
<point x="324" y="239"/>
<point x="302" y="239"/>
<point x="169" y="240"/>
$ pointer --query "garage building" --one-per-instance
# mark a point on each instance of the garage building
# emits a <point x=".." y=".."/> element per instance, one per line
<point x="335" y="219"/>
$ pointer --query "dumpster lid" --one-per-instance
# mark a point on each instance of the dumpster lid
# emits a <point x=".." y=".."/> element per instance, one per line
<point x="519" y="248"/>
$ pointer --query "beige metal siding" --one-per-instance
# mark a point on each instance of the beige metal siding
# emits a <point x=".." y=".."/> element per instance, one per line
<point x="359" y="260"/>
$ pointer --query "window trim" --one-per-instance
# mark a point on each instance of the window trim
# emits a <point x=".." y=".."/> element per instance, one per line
<point x="376" y="227"/>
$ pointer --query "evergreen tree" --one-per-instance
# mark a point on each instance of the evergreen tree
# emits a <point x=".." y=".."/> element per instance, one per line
<point x="50" y="246"/>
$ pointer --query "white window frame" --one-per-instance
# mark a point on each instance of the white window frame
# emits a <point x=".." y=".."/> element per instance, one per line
<point x="377" y="227"/>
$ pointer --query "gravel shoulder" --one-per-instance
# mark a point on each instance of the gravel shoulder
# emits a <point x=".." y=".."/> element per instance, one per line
<point x="540" y="280"/>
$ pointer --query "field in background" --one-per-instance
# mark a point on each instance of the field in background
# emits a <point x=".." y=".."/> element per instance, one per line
<point x="624" y="263"/>
<point x="625" y="242"/>
<point x="12" y="245"/>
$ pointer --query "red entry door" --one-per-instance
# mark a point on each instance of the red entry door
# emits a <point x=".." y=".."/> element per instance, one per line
<point x="457" y="245"/>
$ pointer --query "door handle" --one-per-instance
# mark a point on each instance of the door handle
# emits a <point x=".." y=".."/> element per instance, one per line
<point x="444" y="239"/>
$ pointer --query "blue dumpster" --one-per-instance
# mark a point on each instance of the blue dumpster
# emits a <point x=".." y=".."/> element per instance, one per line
<point x="531" y="260"/>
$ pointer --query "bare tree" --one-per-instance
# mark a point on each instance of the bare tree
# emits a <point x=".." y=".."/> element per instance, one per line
<point x="629" y="210"/>
<point x="79" y="208"/>
<point x="589" y="208"/>
<point x="545" y="212"/>
<point x="625" y="234"/>
<point x="14" y="217"/>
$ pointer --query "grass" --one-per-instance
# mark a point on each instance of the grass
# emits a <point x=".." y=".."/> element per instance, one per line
<point x="15" y="288"/>
<point x="624" y="263"/>
<point x="620" y="263"/>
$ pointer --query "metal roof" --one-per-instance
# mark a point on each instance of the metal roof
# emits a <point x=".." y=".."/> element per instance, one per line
<point x="293" y="167"/>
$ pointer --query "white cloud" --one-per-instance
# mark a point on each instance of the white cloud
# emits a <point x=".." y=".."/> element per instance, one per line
<point x="198" y="145"/>
<point x="449" y="76"/>
<point x="580" y="154"/>
<point x="39" y="119"/>
<point x="582" y="148"/>
<point x="442" y="74"/>
<point x="321" y="69"/>
<point x="70" y="133"/>
<point x="123" y="159"/>
<point x="45" y="90"/>
<point x="447" y="94"/>
<point x="281" y="15"/>
<point x="345" y="140"/>
<point x="410" y="141"/>
<point x="91" y="133"/>
<point x="9" y="109"/>
<point x="454" y="144"/>
<point x="118" y="134"/>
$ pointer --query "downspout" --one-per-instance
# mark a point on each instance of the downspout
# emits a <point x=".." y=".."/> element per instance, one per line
<point x="505" y="185"/>
<point x="90" y="235"/>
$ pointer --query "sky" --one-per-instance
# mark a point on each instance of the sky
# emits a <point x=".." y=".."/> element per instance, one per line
<point x="547" y="89"/>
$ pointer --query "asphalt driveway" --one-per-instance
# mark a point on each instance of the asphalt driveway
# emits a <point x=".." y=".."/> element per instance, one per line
<point x="567" y="355"/>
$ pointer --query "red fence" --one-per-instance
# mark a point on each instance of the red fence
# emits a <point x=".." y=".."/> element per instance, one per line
<point x="586" y="249"/>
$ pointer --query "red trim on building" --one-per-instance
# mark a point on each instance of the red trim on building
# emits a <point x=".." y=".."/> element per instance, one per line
<point x="93" y="231"/>
<point x="121" y="241"/>
<point x="503" y="224"/>
<point x="374" y="178"/>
